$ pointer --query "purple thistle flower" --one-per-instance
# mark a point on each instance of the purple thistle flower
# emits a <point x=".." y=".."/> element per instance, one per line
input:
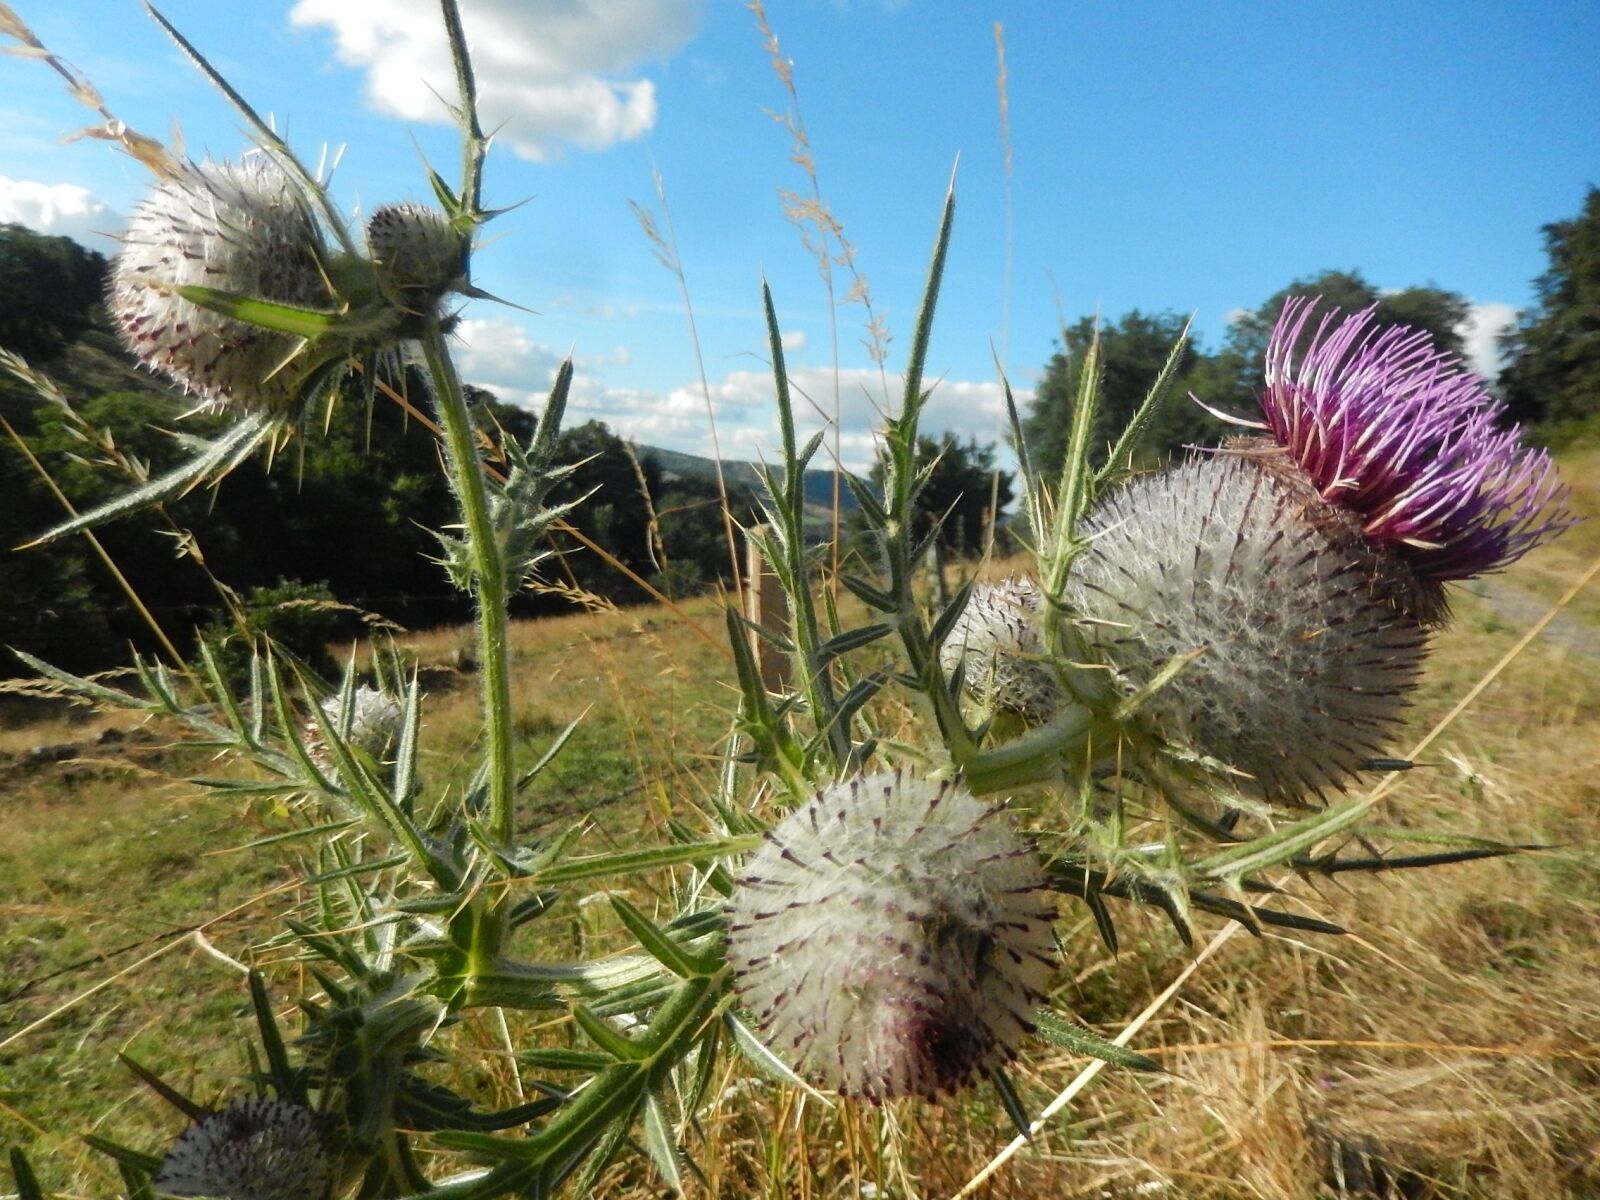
<point x="1410" y="441"/>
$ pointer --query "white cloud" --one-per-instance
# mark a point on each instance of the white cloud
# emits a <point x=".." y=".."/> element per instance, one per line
<point x="1481" y="332"/>
<point x="63" y="209"/>
<point x="497" y="353"/>
<point x="793" y="339"/>
<point x="747" y="425"/>
<point x="548" y="71"/>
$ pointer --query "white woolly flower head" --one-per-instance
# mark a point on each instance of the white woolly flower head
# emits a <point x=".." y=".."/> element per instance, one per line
<point x="892" y="937"/>
<point x="252" y="1150"/>
<point x="236" y="227"/>
<point x="1309" y="637"/>
<point x="374" y="724"/>
<point x="419" y="253"/>
<point x="999" y="636"/>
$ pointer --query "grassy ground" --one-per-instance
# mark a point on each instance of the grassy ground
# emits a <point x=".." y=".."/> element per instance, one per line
<point x="1450" y="1045"/>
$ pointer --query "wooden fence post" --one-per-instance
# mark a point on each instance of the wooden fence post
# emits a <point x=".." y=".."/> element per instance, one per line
<point x="765" y="604"/>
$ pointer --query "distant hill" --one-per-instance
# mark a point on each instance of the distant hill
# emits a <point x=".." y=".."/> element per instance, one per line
<point x="819" y="484"/>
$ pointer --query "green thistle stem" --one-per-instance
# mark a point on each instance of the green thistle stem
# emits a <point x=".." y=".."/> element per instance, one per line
<point x="1036" y="756"/>
<point x="488" y="573"/>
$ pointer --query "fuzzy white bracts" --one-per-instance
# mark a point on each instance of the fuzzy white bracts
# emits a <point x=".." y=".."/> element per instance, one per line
<point x="892" y="937"/>
<point x="236" y="227"/>
<point x="999" y="637"/>
<point x="1308" y="636"/>
<point x="252" y="1150"/>
<point x="374" y="725"/>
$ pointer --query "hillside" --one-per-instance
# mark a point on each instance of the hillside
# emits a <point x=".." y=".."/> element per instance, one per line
<point x="819" y="484"/>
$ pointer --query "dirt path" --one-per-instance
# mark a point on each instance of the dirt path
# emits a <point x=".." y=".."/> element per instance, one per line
<point x="1521" y="609"/>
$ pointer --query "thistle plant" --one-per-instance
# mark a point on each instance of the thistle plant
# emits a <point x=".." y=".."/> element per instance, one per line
<point x="997" y="644"/>
<point x="1202" y="653"/>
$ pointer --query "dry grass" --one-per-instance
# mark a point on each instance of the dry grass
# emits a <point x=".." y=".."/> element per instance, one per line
<point x="1450" y="1045"/>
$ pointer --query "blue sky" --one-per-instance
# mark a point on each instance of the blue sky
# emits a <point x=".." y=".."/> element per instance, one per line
<point x="1193" y="157"/>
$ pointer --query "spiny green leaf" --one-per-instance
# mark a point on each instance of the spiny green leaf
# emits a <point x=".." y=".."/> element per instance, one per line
<point x="27" y="1183"/>
<point x="765" y="1061"/>
<point x="587" y="1061"/>
<point x="940" y="632"/>
<point x="1010" y="1101"/>
<point x="852" y="639"/>
<point x="189" y="1108"/>
<point x="217" y="458"/>
<point x="659" y="1141"/>
<point x="628" y="862"/>
<point x="868" y="594"/>
<point x="620" y="1047"/>
<point x="147" y="1164"/>
<point x="1076" y="1038"/>
<point x="660" y="947"/>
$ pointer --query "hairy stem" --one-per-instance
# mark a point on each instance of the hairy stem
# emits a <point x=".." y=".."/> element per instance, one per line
<point x="488" y="574"/>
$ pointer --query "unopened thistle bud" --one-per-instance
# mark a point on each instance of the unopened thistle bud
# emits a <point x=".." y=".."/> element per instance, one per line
<point x="236" y="227"/>
<point x="374" y="725"/>
<point x="252" y="1150"/>
<point x="999" y="636"/>
<point x="420" y="255"/>
<point x="1307" y="648"/>
<point x="892" y="937"/>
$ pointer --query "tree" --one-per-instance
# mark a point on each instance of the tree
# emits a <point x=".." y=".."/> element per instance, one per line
<point x="1440" y="313"/>
<point x="1133" y="350"/>
<point x="1553" y="378"/>
<point x="958" y="492"/>
<point x="49" y="290"/>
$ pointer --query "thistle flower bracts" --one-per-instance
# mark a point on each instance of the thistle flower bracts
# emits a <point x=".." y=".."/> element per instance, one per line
<point x="1307" y="645"/>
<point x="374" y="725"/>
<point x="999" y="638"/>
<point x="1407" y="438"/>
<point x="419" y="254"/>
<point x="236" y="227"/>
<point x="252" y="1150"/>
<point x="892" y="937"/>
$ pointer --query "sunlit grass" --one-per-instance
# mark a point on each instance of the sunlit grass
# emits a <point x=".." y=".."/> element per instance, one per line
<point x="1455" y="1034"/>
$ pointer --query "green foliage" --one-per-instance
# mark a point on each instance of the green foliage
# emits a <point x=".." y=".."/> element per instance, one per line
<point x="1132" y="351"/>
<point x="304" y="619"/>
<point x="1134" y="347"/>
<point x="1553" y="378"/>
<point x="349" y="502"/>
<point x="50" y="288"/>
<point x="960" y="493"/>
<point x="1433" y="309"/>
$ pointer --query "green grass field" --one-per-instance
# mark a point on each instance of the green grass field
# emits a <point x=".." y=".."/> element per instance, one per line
<point x="1449" y="1045"/>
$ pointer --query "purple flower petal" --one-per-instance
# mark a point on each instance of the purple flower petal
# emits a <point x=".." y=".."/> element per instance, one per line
<point x="1411" y="441"/>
